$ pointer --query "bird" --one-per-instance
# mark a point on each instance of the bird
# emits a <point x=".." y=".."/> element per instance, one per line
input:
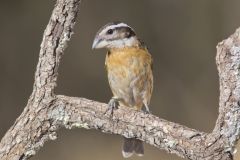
<point x="129" y="69"/>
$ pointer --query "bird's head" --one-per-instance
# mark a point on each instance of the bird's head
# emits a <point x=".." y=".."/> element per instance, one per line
<point x="115" y="35"/>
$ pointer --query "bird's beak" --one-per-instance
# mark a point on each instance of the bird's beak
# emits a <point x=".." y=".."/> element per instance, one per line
<point x="95" y="43"/>
<point x="99" y="43"/>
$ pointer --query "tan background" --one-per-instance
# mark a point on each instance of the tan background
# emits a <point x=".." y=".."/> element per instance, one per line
<point x="181" y="34"/>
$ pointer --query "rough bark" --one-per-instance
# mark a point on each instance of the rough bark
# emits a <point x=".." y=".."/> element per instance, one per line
<point x="46" y="112"/>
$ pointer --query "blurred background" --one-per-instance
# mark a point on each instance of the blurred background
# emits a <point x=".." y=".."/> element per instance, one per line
<point x="181" y="35"/>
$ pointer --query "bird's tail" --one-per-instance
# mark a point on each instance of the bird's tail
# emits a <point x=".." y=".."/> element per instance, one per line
<point x="132" y="145"/>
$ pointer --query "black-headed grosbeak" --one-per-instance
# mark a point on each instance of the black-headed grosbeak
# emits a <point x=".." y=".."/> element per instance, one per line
<point x="129" y="68"/>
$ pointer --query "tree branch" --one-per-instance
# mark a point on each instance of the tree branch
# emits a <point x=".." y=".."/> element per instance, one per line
<point x="46" y="112"/>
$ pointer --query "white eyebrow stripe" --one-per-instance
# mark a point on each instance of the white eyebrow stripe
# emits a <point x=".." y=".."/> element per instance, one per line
<point x="114" y="26"/>
<point x="121" y="25"/>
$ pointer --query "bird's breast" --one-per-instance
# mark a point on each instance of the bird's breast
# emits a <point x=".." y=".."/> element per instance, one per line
<point x="128" y="61"/>
<point x="128" y="71"/>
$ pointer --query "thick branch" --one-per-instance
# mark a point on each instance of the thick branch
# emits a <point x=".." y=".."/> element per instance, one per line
<point x="228" y="63"/>
<point x="32" y="128"/>
<point x="45" y="112"/>
<point x="80" y="112"/>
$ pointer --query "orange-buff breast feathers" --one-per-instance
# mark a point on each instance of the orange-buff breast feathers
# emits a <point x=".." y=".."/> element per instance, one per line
<point x="128" y="57"/>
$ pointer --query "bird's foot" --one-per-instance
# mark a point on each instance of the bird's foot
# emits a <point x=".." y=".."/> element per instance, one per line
<point x="112" y="105"/>
<point x="146" y="110"/>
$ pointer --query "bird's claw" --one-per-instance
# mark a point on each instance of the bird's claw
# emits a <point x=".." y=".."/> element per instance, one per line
<point x="112" y="105"/>
<point x="146" y="110"/>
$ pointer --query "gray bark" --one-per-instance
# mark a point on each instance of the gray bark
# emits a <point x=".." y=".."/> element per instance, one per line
<point x="46" y="112"/>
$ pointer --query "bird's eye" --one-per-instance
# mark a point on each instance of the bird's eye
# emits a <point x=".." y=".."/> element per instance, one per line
<point x="110" y="31"/>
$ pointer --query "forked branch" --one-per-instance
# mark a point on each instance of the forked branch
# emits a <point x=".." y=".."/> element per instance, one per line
<point x="46" y="112"/>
